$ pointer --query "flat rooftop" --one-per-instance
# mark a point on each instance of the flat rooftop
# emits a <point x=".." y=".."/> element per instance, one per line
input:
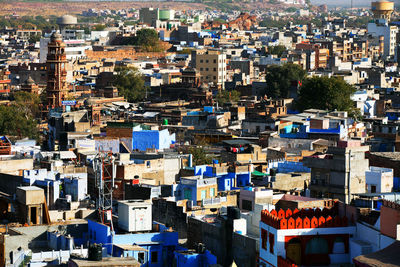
<point x="112" y="261"/>
<point x="387" y="155"/>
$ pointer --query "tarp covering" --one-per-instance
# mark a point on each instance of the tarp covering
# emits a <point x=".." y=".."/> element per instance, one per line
<point x="257" y="173"/>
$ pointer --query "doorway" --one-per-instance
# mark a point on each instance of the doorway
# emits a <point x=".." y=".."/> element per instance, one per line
<point x="33" y="215"/>
<point x="293" y="251"/>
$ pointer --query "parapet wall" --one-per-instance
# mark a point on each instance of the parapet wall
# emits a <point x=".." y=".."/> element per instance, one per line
<point x="304" y="218"/>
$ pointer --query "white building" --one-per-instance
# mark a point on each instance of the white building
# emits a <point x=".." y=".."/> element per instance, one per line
<point x="381" y="28"/>
<point x="74" y="49"/>
<point x="134" y="215"/>
<point x="379" y="180"/>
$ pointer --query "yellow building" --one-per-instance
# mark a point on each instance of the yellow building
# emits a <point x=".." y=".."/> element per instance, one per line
<point x="212" y="66"/>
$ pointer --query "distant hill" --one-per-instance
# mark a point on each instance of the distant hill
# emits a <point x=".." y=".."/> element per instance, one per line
<point x="347" y="3"/>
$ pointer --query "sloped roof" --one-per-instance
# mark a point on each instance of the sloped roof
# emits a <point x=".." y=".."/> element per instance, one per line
<point x="387" y="257"/>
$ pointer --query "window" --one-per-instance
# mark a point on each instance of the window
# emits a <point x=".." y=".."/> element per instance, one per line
<point x="247" y="205"/>
<point x="141" y="257"/>
<point x="154" y="256"/>
<point x="215" y="61"/>
<point x="203" y="194"/>
<point x="201" y="61"/>
<point x="206" y="69"/>
<point x="215" y="69"/>
<point x="212" y="192"/>
<point x="206" y="60"/>
<point x="148" y="164"/>
<point x="373" y="188"/>
<point x="264" y="238"/>
<point x="215" y="77"/>
<point x="201" y="69"/>
<point x="271" y="243"/>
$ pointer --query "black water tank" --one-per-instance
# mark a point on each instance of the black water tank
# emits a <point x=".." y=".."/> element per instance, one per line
<point x="233" y="212"/>
<point x="95" y="252"/>
<point x="272" y="172"/>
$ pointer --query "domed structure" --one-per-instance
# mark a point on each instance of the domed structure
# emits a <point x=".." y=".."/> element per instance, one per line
<point x="382" y="9"/>
<point x="29" y="81"/>
<point x="56" y="37"/>
<point x="65" y="21"/>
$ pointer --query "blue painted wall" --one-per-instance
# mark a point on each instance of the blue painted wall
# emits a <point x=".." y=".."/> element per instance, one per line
<point x="290" y="166"/>
<point x="143" y="140"/>
<point x="194" y="260"/>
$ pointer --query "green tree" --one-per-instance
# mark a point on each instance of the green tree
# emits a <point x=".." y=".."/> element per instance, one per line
<point x="14" y="122"/>
<point x="280" y="79"/>
<point x="130" y="84"/>
<point x="276" y="50"/>
<point x="291" y="9"/>
<point x="27" y="103"/>
<point x="99" y="27"/>
<point x="227" y="96"/>
<point x="199" y="156"/>
<point x="34" y="38"/>
<point x="148" y="40"/>
<point x="325" y="93"/>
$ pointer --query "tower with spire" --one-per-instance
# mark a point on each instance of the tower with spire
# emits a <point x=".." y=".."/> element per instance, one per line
<point x="56" y="71"/>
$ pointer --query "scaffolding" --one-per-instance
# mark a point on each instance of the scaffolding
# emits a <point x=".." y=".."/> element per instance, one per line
<point x="105" y="169"/>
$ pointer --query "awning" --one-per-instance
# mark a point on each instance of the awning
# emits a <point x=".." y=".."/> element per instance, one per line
<point x="67" y="155"/>
<point x="257" y="173"/>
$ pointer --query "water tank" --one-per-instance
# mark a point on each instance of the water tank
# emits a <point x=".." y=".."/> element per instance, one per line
<point x="95" y="252"/>
<point x="164" y="14"/>
<point x="67" y="20"/>
<point x="272" y="172"/>
<point x="233" y="213"/>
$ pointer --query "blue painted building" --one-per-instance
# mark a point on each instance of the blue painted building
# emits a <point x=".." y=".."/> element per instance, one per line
<point x="226" y="179"/>
<point x="193" y="259"/>
<point x="144" y="139"/>
<point x="155" y="249"/>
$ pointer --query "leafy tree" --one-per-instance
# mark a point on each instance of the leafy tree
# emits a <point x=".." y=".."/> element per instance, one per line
<point x="130" y="83"/>
<point x="199" y="156"/>
<point x="279" y="79"/>
<point x="325" y="93"/>
<point x="227" y="96"/>
<point x="268" y="22"/>
<point x="276" y="50"/>
<point x="148" y="40"/>
<point x="291" y="9"/>
<point x="14" y="122"/>
<point x="99" y="27"/>
<point x="27" y="103"/>
<point x="34" y="38"/>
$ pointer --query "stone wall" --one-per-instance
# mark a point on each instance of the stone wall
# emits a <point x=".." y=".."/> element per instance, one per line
<point x="171" y="214"/>
<point x="120" y="54"/>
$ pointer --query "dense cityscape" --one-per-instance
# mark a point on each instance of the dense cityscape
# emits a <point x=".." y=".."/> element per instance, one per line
<point x="200" y="133"/>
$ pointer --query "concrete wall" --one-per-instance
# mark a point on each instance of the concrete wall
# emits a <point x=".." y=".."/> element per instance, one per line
<point x="172" y="214"/>
<point x="13" y="166"/>
<point x="245" y="250"/>
<point x="381" y="178"/>
<point x="36" y="236"/>
<point x="390" y="218"/>
<point x="290" y="181"/>
<point x="372" y="236"/>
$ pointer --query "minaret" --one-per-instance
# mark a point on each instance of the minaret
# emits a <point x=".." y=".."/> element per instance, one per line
<point x="56" y="74"/>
